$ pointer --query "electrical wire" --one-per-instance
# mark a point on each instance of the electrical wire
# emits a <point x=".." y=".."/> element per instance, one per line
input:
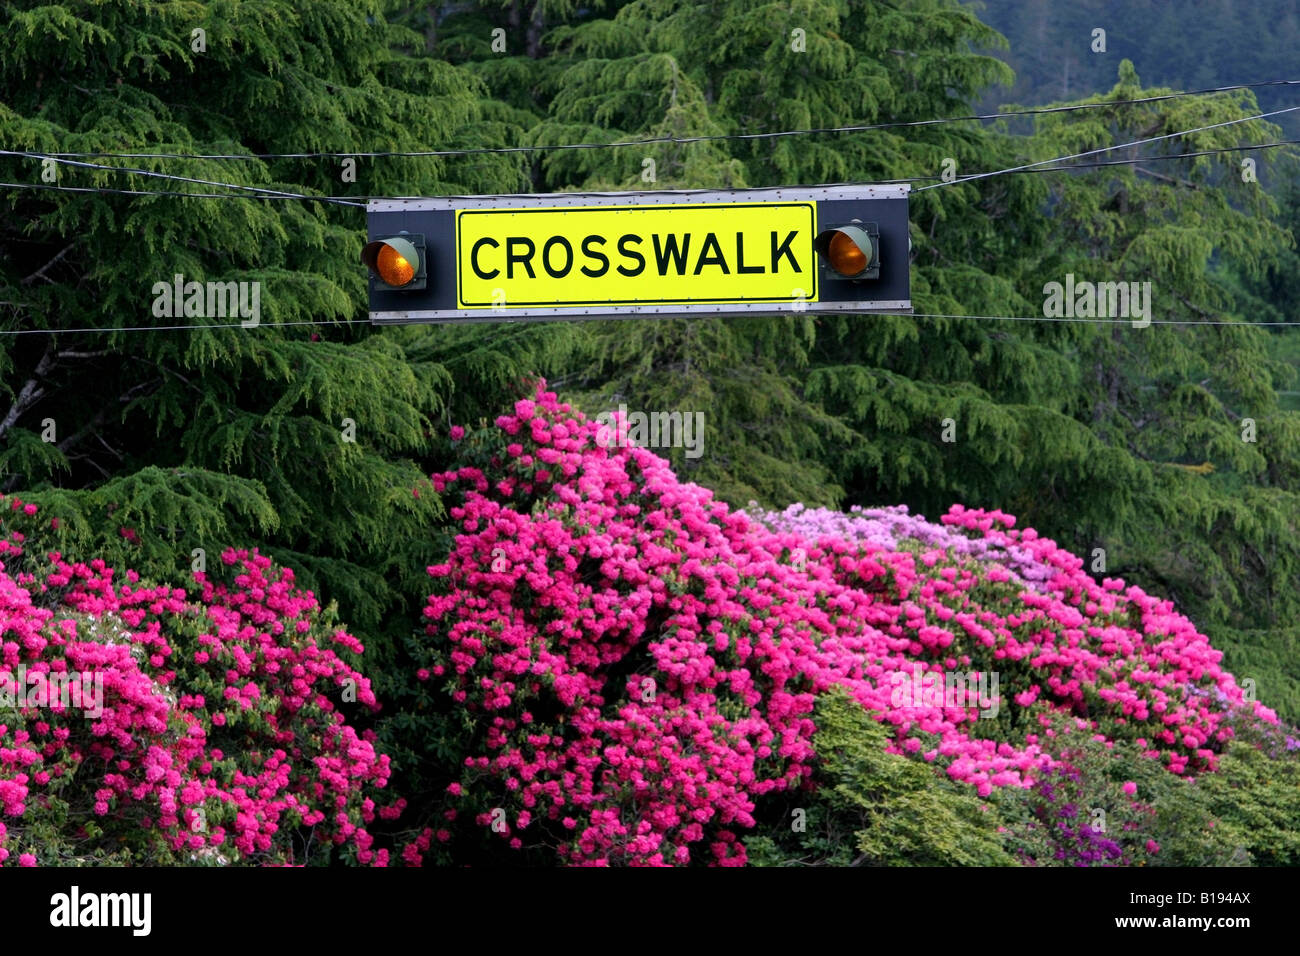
<point x="1084" y="320"/>
<point x="255" y="190"/>
<point x="1151" y="159"/>
<point x="1098" y="321"/>
<point x="146" y="192"/>
<point x="887" y="182"/>
<point x="680" y="140"/>
<point x="361" y="200"/>
<point x="182" y="328"/>
<point x="1107" y="149"/>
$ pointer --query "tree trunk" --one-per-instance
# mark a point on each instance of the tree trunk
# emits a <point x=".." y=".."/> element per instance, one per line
<point x="533" y="39"/>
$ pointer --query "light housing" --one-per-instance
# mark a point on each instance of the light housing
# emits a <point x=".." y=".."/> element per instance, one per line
<point x="396" y="263"/>
<point x="850" y="252"/>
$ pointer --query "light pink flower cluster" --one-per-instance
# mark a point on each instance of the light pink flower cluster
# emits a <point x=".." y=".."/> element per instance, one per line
<point x="642" y="661"/>
<point x="892" y="528"/>
<point x="220" y="728"/>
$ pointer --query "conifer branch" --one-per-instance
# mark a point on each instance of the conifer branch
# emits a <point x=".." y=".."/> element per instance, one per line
<point x="30" y="393"/>
<point x="1167" y="179"/>
<point x="75" y="438"/>
<point x="40" y="273"/>
<point x="91" y="461"/>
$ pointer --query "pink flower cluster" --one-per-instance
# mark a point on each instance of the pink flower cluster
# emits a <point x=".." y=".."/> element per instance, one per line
<point x="642" y="661"/>
<point x="220" y="730"/>
<point x="1107" y="651"/>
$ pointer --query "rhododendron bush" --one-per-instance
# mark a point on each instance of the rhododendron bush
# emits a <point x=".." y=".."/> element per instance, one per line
<point x="614" y="668"/>
<point x="218" y="738"/>
<point x="639" y="664"/>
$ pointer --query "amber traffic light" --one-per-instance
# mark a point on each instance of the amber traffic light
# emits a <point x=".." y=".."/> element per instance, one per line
<point x="850" y="251"/>
<point x="396" y="263"/>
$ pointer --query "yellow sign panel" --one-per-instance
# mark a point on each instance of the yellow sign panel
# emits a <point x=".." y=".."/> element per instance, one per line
<point x="631" y="255"/>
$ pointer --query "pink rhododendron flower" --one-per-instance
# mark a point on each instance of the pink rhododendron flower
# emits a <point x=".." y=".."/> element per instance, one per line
<point x="723" y="627"/>
<point x="150" y="759"/>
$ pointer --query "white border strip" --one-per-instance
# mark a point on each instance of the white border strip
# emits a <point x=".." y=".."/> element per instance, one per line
<point x="595" y="312"/>
<point x="630" y="198"/>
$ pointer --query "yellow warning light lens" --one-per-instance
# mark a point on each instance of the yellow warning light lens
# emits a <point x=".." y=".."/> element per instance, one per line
<point x="850" y="251"/>
<point x="393" y="267"/>
<point x="395" y="261"/>
<point x="844" y="255"/>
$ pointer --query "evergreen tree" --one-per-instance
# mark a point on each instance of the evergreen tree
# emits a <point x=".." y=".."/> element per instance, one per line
<point x="149" y="445"/>
<point x="1130" y="445"/>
